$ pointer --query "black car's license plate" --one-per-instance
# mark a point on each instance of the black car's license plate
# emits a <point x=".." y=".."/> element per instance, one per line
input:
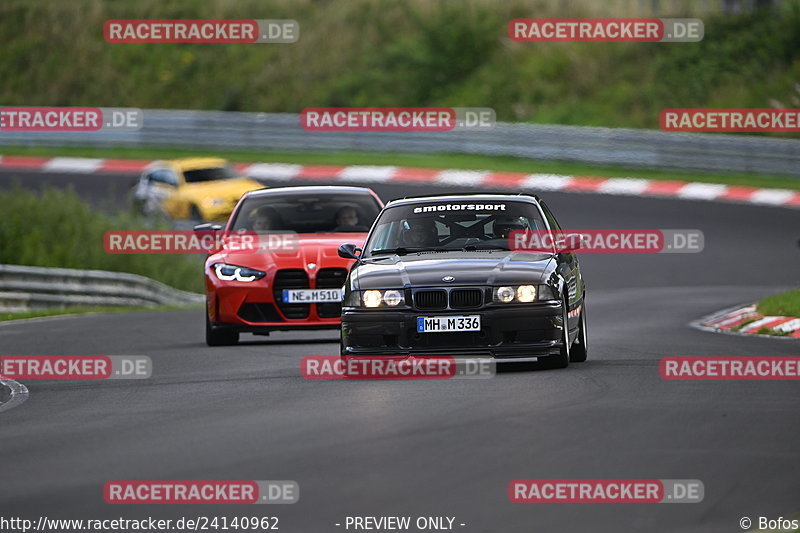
<point x="444" y="324"/>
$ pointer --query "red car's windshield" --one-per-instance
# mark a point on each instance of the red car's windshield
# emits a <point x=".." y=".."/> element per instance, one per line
<point x="307" y="213"/>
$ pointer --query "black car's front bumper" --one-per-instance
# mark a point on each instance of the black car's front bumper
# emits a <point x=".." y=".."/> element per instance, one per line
<point x="507" y="332"/>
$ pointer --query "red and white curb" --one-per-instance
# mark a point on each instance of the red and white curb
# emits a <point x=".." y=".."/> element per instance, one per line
<point x="484" y="179"/>
<point x="732" y="320"/>
<point x="17" y="393"/>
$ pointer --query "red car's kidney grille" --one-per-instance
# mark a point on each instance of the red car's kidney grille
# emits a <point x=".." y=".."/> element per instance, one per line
<point x="290" y="278"/>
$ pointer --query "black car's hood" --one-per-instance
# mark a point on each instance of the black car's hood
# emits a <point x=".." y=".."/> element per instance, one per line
<point x="468" y="268"/>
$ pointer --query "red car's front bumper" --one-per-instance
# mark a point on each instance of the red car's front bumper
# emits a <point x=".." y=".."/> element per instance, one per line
<point x="257" y="306"/>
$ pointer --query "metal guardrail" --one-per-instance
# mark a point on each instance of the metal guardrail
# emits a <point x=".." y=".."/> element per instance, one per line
<point x="604" y="146"/>
<point x="23" y="288"/>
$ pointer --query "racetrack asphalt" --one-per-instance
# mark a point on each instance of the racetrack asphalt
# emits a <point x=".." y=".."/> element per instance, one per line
<point x="439" y="448"/>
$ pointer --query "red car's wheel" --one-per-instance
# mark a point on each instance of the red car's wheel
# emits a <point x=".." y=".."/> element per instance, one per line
<point x="220" y="336"/>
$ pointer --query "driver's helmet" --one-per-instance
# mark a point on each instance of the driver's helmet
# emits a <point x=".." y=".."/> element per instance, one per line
<point x="421" y="232"/>
<point x="504" y="225"/>
<point x="265" y="218"/>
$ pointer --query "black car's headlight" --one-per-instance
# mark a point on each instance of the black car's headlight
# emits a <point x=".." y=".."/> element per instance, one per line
<point x="237" y="273"/>
<point x="372" y="299"/>
<point x="522" y="294"/>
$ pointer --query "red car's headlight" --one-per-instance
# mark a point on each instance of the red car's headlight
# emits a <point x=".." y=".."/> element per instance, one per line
<point x="236" y="273"/>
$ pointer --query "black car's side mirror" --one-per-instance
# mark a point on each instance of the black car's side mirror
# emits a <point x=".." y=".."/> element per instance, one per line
<point x="207" y="226"/>
<point x="349" y="251"/>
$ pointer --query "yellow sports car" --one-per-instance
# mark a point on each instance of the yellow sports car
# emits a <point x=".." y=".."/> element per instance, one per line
<point x="197" y="188"/>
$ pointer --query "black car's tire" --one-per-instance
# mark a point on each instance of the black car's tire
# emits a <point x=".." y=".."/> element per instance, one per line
<point x="579" y="350"/>
<point x="220" y="337"/>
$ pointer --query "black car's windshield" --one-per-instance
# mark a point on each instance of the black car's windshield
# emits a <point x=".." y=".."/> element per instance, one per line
<point x="209" y="174"/>
<point x="454" y="225"/>
<point x="307" y="213"/>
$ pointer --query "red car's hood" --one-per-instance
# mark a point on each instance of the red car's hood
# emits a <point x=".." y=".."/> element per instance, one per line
<point x="319" y="249"/>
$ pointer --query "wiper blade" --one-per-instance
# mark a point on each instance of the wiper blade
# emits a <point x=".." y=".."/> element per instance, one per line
<point x="398" y="251"/>
<point x="473" y="248"/>
<point x="401" y="251"/>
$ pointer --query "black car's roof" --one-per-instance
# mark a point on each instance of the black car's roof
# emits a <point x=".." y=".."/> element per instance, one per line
<point x="310" y="189"/>
<point x="460" y="197"/>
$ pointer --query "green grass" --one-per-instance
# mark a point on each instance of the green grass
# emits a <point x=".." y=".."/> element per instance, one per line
<point x="80" y="310"/>
<point x="55" y="228"/>
<point x="786" y="304"/>
<point x="459" y="161"/>
<point x="411" y="53"/>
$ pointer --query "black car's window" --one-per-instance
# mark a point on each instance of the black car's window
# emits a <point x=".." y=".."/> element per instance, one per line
<point x="550" y="218"/>
<point x="452" y="225"/>
<point x="209" y="174"/>
<point x="307" y="213"/>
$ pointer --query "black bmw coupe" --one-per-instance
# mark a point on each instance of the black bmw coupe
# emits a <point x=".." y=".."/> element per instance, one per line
<point x="439" y="275"/>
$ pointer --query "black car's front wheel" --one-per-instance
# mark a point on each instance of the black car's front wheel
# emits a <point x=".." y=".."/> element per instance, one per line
<point x="579" y="350"/>
<point x="220" y="337"/>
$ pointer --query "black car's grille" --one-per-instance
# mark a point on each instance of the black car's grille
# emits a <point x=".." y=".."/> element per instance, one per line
<point x="330" y="278"/>
<point x="290" y="278"/>
<point x="259" y="312"/>
<point x="435" y="299"/>
<point x="466" y="298"/>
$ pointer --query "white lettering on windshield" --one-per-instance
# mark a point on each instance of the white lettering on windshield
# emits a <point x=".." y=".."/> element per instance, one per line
<point x="460" y="207"/>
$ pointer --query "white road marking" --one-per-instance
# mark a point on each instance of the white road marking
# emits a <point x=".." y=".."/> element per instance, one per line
<point x="367" y="174"/>
<point x="465" y="178"/>
<point x="771" y="196"/>
<point x="275" y="171"/>
<point x="66" y="316"/>
<point x="77" y="165"/>
<point x="624" y="186"/>
<point x="702" y="191"/>
<point x="19" y="393"/>
<point x="756" y="324"/>
<point x="788" y="327"/>
<point x="546" y="182"/>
